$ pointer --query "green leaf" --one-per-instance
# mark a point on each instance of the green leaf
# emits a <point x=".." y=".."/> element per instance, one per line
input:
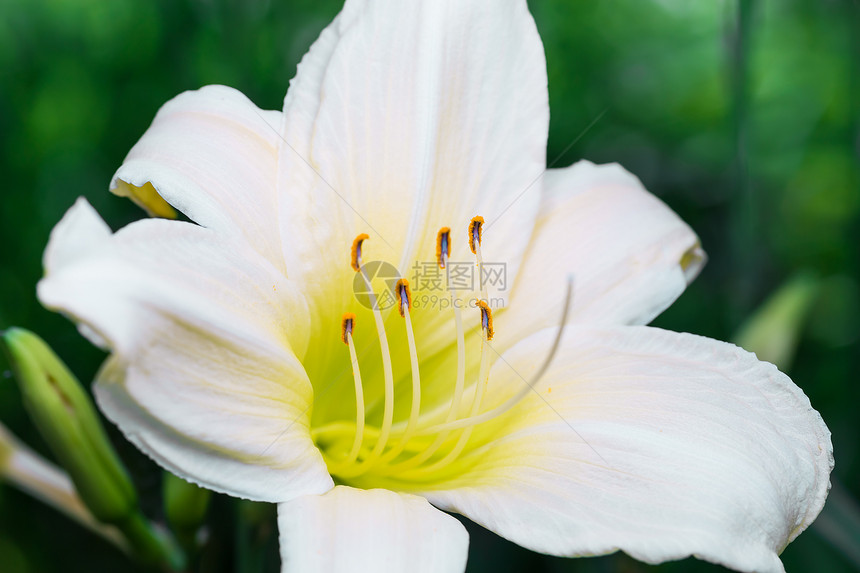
<point x="773" y="330"/>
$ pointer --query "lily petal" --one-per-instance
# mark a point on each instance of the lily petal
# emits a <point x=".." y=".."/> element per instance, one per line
<point x="405" y="118"/>
<point x="629" y="255"/>
<point x="660" y="444"/>
<point x="201" y="333"/>
<point x="212" y="154"/>
<point x="376" y="531"/>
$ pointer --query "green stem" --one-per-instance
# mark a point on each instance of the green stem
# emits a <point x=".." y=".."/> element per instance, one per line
<point x="153" y="547"/>
<point x="33" y="474"/>
<point x="745" y="216"/>
<point x="254" y="533"/>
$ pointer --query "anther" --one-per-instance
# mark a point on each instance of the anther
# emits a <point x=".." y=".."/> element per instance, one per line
<point x="475" y="227"/>
<point x="404" y="296"/>
<point x="486" y="319"/>
<point x="347" y="326"/>
<point x="443" y="246"/>
<point x="355" y="257"/>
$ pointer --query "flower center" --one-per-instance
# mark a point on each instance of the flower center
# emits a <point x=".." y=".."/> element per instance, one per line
<point x="428" y="445"/>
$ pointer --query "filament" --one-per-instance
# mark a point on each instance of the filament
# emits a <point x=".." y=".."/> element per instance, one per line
<point x="459" y="385"/>
<point x="463" y="439"/>
<point x="404" y="298"/>
<point x="359" y="396"/>
<point x="388" y="408"/>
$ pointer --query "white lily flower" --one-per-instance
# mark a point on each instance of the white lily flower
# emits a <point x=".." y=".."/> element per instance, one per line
<point x="228" y="364"/>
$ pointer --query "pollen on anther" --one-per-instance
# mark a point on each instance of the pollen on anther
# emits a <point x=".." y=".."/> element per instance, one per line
<point x="475" y="227"/>
<point x="404" y="296"/>
<point x="486" y="319"/>
<point x="443" y="246"/>
<point x="355" y="256"/>
<point x="346" y="326"/>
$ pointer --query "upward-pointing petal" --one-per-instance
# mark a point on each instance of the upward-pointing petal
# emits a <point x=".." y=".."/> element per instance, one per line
<point x="406" y="117"/>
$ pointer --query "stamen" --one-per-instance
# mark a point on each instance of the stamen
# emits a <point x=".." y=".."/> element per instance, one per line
<point x="348" y="325"/>
<point x="404" y="297"/>
<point x="486" y="319"/>
<point x="480" y="390"/>
<point x="443" y="246"/>
<point x="355" y="256"/>
<point x="475" y="228"/>
<point x="388" y="405"/>
<point x="422" y="450"/>
<point x="484" y="371"/>
<point x="459" y="387"/>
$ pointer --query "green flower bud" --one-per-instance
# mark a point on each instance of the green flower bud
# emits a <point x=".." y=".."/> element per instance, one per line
<point x="185" y="505"/>
<point x="65" y="416"/>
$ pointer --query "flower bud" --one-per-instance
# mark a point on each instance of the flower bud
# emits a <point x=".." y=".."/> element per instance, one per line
<point x="185" y="505"/>
<point x="65" y="416"/>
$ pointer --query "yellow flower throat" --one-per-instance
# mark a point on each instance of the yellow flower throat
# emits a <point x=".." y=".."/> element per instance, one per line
<point x="424" y="447"/>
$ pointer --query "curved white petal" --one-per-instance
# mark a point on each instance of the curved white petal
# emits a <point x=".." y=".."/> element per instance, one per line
<point x="374" y="531"/>
<point x="212" y="154"/>
<point x="629" y="255"/>
<point x="203" y="376"/>
<point x="80" y="231"/>
<point x="659" y="444"/>
<point x="405" y="118"/>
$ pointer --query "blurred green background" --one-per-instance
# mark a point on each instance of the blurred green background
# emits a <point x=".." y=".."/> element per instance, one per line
<point x="744" y="116"/>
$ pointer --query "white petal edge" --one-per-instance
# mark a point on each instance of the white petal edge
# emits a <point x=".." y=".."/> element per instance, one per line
<point x="629" y="255"/>
<point x="196" y="461"/>
<point x="211" y="154"/>
<point x="659" y="444"/>
<point x="202" y="375"/>
<point x="351" y="530"/>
